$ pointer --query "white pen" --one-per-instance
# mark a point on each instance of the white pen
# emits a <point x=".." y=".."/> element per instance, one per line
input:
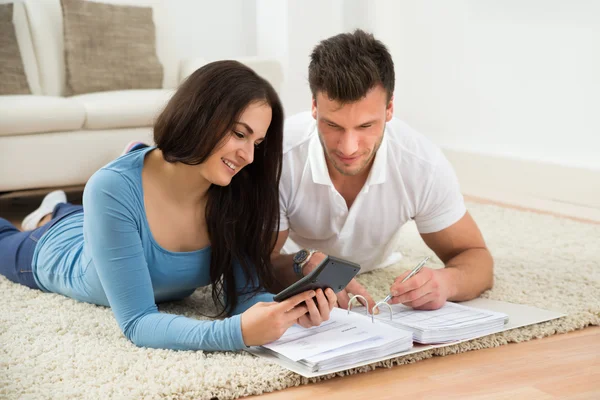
<point x="413" y="272"/>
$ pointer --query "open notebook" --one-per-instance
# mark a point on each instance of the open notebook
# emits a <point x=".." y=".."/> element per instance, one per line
<point x="450" y="323"/>
<point x="351" y="337"/>
<point x="350" y="340"/>
<point x="344" y="339"/>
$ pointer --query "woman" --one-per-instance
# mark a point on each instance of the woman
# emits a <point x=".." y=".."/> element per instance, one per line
<point x="199" y="208"/>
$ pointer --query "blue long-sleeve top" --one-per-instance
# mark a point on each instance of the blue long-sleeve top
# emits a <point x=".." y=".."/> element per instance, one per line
<point x="107" y="256"/>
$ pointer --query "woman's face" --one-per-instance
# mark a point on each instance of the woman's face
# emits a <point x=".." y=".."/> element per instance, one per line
<point x="237" y="150"/>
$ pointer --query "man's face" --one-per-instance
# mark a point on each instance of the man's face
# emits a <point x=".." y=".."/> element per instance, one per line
<point x="351" y="134"/>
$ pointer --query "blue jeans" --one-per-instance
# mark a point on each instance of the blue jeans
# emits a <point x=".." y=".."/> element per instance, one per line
<point x="16" y="247"/>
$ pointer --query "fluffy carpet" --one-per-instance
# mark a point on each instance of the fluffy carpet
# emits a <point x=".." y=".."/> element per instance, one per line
<point x="54" y="347"/>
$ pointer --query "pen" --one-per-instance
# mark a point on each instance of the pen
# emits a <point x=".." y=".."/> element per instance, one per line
<point x="413" y="272"/>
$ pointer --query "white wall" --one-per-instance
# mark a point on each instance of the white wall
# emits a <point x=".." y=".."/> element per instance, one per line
<point x="214" y="29"/>
<point x="511" y="78"/>
<point x="208" y="29"/>
<point x="516" y="78"/>
<point x="288" y="30"/>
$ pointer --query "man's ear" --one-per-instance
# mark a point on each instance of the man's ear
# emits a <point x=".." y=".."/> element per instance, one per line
<point x="389" y="111"/>
<point x="314" y="108"/>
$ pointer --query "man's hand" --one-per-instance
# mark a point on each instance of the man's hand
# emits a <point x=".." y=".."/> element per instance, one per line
<point x="354" y="288"/>
<point x="313" y="262"/>
<point x="427" y="290"/>
<point x="343" y="297"/>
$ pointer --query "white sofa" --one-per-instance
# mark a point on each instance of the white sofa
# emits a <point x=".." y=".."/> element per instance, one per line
<point x="48" y="140"/>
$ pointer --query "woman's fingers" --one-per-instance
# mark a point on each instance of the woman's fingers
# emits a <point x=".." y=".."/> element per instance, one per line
<point x="331" y="298"/>
<point x="313" y="310"/>
<point x="323" y="306"/>
<point x="293" y="301"/>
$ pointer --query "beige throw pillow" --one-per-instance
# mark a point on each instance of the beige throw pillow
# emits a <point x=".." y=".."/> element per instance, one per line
<point x="109" y="47"/>
<point x="12" y="72"/>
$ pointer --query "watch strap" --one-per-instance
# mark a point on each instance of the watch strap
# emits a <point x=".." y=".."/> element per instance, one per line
<point x="299" y="266"/>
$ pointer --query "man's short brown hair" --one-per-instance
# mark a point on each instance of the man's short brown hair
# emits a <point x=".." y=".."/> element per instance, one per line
<point x="346" y="66"/>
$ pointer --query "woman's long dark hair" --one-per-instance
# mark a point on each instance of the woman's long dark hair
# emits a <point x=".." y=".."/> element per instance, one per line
<point x="242" y="217"/>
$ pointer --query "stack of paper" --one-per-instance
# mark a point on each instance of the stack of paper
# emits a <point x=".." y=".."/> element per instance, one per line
<point x="520" y="315"/>
<point x="345" y="339"/>
<point x="450" y="323"/>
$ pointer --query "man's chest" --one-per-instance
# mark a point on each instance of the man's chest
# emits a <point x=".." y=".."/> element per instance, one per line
<point x="374" y="216"/>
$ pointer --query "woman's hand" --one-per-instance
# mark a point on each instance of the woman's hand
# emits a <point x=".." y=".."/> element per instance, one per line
<point x="318" y="311"/>
<point x="316" y="317"/>
<point x="265" y="322"/>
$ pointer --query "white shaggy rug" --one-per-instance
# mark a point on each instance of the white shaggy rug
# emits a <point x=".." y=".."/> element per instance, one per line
<point x="54" y="347"/>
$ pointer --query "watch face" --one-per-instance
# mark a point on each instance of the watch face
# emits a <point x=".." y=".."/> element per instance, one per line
<point x="300" y="256"/>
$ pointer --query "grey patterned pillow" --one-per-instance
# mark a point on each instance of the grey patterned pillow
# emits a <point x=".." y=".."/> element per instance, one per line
<point x="12" y="72"/>
<point x="109" y="47"/>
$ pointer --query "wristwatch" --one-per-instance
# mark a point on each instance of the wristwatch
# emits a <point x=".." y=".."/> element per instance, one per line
<point x="300" y="259"/>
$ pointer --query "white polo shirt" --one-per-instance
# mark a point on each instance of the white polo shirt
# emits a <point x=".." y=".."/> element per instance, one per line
<point x="410" y="179"/>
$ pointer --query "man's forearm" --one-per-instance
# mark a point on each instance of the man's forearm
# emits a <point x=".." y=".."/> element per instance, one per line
<point x="284" y="271"/>
<point x="470" y="273"/>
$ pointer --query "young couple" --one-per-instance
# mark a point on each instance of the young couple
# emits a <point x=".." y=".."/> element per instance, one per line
<point x="217" y="200"/>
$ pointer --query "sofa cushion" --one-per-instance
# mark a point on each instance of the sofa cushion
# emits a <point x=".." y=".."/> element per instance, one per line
<point x="109" y="47"/>
<point x="25" y="39"/>
<point x="123" y="109"/>
<point x="60" y="158"/>
<point x="12" y="71"/>
<point x="46" y="34"/>
<point x="34" y="114"/>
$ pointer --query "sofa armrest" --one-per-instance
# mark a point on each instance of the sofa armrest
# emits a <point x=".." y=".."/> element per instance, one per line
<point x="268" y="68"/>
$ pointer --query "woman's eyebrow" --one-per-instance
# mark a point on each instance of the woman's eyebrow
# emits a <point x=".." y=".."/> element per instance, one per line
<point x="250" y="130"/>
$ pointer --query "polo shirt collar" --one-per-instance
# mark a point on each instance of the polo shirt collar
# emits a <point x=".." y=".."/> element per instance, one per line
<point x="379" y="169"/>
<point x="320" y="173"/>
<point x="318" y="165"/>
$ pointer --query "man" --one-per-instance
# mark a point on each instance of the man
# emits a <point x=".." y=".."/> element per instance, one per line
<point x="353" y="175"/>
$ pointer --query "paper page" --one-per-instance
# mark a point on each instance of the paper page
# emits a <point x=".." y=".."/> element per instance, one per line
<point x="342" y="329"/>
<point x="450" y="316"/>
<point x="519" y="315"/>
<point x="383" y="339"/>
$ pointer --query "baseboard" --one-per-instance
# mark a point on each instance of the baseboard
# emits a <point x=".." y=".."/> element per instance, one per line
<point x="542" y="186"/>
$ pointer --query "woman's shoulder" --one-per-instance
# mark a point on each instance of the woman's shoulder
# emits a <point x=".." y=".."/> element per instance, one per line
<point x="130" y="163"/>
<point x="120" y="176"/>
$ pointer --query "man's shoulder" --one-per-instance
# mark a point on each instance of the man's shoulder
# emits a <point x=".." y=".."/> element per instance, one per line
<point x="297" y="131"/>
<point x="410" y="145"/>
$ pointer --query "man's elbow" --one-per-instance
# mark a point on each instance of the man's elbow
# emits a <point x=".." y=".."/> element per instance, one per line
<point x="485" y="280"/>
<point x="490" y="284"/>
<point x="489" y="281"/>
